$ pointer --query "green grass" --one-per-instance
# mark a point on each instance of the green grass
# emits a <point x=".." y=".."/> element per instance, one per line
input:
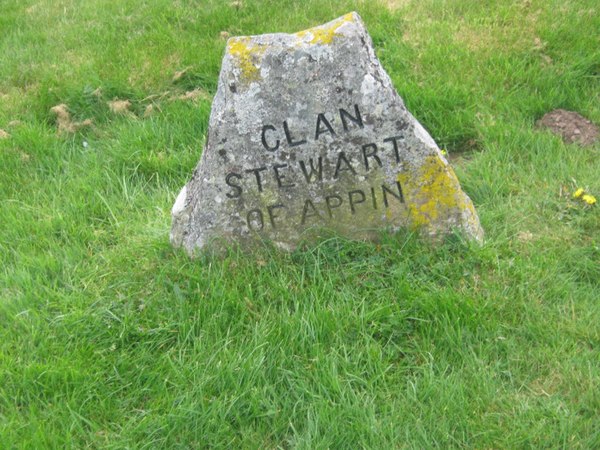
<point x="109" y="338"/>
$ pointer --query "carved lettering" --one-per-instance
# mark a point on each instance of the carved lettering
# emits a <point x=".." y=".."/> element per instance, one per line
<point x="321" y="119"/>
<point x="369" y="157"/>
<point x="256" y="173"/>
<point x="255" y="220"/>
<point x="309" y="210"/>
<point x="370" y="150"/>
<point x="279" y="177"/>
<point x="288" y="136"/>
<point x="387" y="190"/>
<point x="394" y="141"/>
<point x="356" y="119"/>
<point x="353" y="201"/>
<point x="373" y="198"/>
<point x="264" y="138"/>
<point x="338" y="166"/>
<point x="332" y="205"/>
<point x="237" y="189"/>
<point x="316" y="171"/>
<point x="271" y="210"/>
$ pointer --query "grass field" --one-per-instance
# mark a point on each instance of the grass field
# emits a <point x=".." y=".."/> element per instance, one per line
<point x="109" y="338"/>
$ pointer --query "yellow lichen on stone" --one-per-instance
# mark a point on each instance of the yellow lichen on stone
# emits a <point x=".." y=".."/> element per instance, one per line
<point x="324" y="34"/>
<point x="434" y="194"/>
<point x="248" y="56"/>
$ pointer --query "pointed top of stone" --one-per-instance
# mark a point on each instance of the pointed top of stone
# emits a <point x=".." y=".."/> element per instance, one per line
<point x="308" y="133"/>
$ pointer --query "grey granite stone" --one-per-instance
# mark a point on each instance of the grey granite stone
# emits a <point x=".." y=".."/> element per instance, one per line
<point x="308" y="133"/>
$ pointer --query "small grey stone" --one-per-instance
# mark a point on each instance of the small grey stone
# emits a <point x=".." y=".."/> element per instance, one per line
<point x="308" y="133"/>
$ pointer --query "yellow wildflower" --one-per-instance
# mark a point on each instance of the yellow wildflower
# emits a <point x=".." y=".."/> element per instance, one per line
<point x="578" y="193"/>
<point x="443" y="152"/>
<point x="589" y="199"/>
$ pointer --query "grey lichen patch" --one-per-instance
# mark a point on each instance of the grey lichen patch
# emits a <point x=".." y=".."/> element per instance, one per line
<point x="308" y="133"/>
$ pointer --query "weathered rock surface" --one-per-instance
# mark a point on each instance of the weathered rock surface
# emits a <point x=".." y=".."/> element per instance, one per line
<point x="307" y="132"/>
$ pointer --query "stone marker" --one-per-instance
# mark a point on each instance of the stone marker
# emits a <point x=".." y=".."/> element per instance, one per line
<point x="308" y="133"/>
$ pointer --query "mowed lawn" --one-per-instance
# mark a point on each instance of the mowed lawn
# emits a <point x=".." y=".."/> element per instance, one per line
<point x="109" y="338"/>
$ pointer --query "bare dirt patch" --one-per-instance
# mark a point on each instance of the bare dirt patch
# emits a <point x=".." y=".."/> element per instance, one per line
<point x="195" y="95"/>
<point x="179" y="75"/>
<point x="571" y="126"/>
<point x="150" y="109"/>
<point x="524" y="236"/>
<point x="394" y="5"/>
<point x="64" y="122"/>
<point x="120" y="106"/>
<point x="4" y="134"/>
